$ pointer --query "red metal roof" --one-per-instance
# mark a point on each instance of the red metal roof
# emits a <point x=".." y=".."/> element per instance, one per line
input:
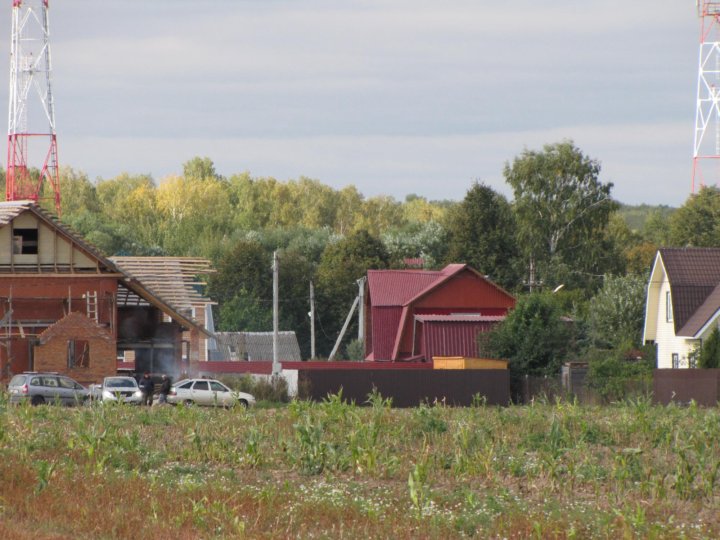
<point x="397" y="287"/>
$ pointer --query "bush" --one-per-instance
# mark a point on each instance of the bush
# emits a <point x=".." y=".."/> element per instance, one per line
<point x="709" y="354"/>
<point x="262" y="388"/>
<point x="620" y="373"/>
<point x="355" y="350"/>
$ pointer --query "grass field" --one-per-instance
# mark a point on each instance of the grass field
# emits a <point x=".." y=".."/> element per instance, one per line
<point x="332" y="470"/>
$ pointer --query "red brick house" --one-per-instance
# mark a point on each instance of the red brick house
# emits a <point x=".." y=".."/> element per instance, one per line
<point x="418" y="314"/>
<point x="65" y="307"/>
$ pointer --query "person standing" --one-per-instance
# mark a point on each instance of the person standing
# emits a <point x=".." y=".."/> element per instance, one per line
<point x="164" y="389"/>
<point x="146" y="387"/>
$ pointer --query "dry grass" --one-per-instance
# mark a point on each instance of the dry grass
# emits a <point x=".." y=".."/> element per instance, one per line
<point x="332" y="470"/>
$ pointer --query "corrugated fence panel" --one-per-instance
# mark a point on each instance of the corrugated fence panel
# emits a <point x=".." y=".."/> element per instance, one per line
<point x="410" y="388"/>
<point x="685" y="385"/>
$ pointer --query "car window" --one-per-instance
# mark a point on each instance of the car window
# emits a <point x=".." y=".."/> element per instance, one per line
<point x="186" y="386"/>
<point x="35" y="381"/>
<point x="49" y="381"/>
<point x="66" y="383"/>
<point x="120" y="383"/>
<point x="200" y="385"/>
<point x="18" y="380"/>
<point x="217" y="387"/>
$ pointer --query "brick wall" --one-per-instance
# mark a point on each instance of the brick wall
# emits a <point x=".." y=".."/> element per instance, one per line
<point x="52" y="352"/>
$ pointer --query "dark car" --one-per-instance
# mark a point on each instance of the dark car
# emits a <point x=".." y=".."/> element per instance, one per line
<point x="38" y="388"/>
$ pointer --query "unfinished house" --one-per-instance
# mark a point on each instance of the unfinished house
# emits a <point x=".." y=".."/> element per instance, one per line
<point x="179" y="282"/>
<point x="65" y="307"/>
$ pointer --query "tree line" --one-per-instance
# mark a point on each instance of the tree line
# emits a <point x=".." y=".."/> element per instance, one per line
<point x="561" y="231"/>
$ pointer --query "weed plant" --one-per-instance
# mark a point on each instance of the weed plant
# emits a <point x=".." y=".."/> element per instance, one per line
<point x="337" y="470"/>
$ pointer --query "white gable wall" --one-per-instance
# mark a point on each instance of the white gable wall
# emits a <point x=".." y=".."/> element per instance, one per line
<point x="657" y="326"/>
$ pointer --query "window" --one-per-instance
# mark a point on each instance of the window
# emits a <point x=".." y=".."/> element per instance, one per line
<point x="668" y="307"/>
<point x="66" y="383"/>
<point x="201" y="385"/>
<point x="675" y="360"/>
<point x="78" y="353"/>
<point x="25" y="241"/>
<point x="49" y="381"/>
<point x="186" y="386"/>
<point x="217" y="387"/>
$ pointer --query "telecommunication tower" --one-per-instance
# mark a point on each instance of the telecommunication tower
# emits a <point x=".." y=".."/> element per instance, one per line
<point x="32" y="142"/>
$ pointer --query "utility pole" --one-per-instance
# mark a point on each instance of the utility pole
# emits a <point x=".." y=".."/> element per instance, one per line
<point x="313" y="356"/>
<point x="361" y="309"/>
<point x="276" y="293"/>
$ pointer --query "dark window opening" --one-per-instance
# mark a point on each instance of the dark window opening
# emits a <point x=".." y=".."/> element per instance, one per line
<point x="78" y="353"/>
<point x="25" y="241"/>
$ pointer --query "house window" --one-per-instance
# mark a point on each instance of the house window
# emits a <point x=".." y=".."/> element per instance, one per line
<point x="78" y="353"/>
<point x="692" y="361"/>
<point x="668" y="307"/>
<point x="675" y="360"/>
<point x="25" y="241"/>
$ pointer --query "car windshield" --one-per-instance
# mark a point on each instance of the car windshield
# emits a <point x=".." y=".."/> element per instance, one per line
<point x="120" y="383"/>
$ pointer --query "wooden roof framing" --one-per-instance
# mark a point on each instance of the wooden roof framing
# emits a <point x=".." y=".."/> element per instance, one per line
<point x="174" y="279"/>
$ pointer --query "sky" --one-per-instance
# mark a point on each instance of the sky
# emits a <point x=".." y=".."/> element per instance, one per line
<point x="397" y="97"/>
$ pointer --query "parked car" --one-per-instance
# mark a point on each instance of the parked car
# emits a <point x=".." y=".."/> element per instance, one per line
<point x="118" y="389"/>
<point x="207" y="392"/>
<point x="39" y="388"/>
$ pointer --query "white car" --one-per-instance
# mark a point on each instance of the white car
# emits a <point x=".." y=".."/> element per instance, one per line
<point x="119" y="389"/>
<point x="207" y="392"/>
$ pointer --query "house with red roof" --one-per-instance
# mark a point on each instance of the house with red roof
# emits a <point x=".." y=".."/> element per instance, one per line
<point x="414" y="315"/>
<point x="683" y="303"/>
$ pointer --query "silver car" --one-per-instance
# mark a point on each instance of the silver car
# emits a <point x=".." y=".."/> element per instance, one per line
<point x="207" y="392"/>
<point x="38" y="388"/>
<point x="120" y="389"/>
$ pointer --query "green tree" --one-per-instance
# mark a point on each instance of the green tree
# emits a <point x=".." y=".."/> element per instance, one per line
<point x="621" y="373"/>
<point x="617" y="311"/>
<point x="341" y="265"/>
<point x="482" y="232"/>
<point x="200" y="168"/>
<point x="562" y="211"/>
<point x="697" y="222"/>
<point x="77" y="192"/>
<point x="242" y="285"/>
<point x="427" y="240"/>
<point x="709" y="356"/>
<point x="533" y="337"/>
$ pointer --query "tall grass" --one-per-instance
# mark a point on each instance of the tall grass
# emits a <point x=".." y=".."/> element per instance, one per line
<point x="333" y="469"/>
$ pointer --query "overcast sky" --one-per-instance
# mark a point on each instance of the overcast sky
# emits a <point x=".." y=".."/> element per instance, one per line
<point x="393" y="96"/>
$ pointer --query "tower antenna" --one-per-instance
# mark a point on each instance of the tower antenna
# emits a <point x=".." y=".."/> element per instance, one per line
<point x="32" y="142"/>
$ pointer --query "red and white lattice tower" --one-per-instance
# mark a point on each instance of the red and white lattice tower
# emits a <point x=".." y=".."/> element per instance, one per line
<point x="32" y="143"/>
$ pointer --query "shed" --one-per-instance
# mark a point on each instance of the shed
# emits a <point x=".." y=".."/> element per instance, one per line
<point x="418" y="314"/>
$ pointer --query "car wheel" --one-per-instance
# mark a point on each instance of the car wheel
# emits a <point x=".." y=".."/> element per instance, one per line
<point x="37" y="400"/>
<point x="243" y="403"/>
<point x="189" y="402"/>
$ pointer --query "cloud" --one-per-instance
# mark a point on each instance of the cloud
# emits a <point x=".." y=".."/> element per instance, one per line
<point x="435" y="167"/>
<point x="404" y="96"/>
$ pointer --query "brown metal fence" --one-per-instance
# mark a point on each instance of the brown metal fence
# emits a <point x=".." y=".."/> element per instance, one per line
<point x="686" y="385"/>
<point x="409" y="388"/>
